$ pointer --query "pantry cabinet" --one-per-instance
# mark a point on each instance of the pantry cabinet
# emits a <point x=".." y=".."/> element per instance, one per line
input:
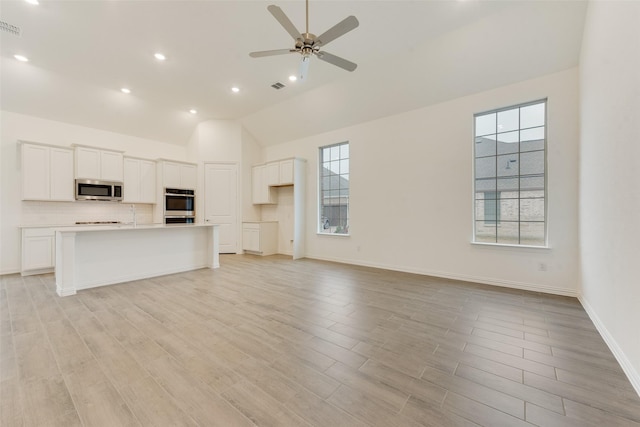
<point x="96" y="163"/>
<point x="47" y="172"/>
<point x="139" y="180"/>
<point x="38" y="251"/>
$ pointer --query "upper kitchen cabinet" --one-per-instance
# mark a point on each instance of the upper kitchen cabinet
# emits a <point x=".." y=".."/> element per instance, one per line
<point x="139" y="180"/>
<point x="97" y="163"/>
<point x="47" y="172"/>
<point x="279" y="173"/>
<point x="178" y="174"/>
<point x="262" y="193"/>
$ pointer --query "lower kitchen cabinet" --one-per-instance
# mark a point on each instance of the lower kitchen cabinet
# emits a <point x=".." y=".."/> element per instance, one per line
<point x="38" y="251"/>
<point x="260" y="237"/>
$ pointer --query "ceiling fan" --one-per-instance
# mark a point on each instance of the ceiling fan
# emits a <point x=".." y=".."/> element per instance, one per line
<point x="308" y="44"/>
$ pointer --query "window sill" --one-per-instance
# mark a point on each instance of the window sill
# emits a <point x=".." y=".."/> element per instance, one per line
<point x="507" y="245"/>
<point x="333" y="234"/>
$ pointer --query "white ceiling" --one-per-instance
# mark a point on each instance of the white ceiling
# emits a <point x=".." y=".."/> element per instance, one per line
<point x="409" y="54"/>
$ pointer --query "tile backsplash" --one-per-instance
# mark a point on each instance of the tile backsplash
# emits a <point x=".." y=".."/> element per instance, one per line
<point x="67" y="213"/>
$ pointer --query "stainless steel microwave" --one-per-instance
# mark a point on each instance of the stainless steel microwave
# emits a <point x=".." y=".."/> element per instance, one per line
<point x="89" y="189"/>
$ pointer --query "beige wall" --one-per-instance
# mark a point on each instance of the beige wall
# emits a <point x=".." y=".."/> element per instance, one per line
<point x="411" y="191"/>
<point x="609" y="182"/>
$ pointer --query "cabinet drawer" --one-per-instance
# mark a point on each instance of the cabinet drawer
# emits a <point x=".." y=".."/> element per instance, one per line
<point x="251" y="226"/>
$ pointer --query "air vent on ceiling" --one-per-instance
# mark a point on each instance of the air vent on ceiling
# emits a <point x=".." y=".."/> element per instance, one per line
<point x="277" y="85"/>
<point x="11" y="29"/>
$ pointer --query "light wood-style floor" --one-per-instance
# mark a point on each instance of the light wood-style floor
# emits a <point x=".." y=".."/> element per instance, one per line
<point x="274" y="342"/>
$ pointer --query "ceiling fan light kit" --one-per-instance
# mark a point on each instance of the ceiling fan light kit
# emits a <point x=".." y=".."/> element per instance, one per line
<point x="308" y="45"/>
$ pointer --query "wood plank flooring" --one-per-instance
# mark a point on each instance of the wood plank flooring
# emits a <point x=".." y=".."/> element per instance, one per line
<point x="272" y="342"/>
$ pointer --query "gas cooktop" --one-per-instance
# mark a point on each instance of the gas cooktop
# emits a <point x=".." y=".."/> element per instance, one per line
<point x="96" y="222"/>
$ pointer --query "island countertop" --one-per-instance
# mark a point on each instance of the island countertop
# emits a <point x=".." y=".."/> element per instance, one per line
<point x="122" y="227"/>
<point x="96" y="255"/>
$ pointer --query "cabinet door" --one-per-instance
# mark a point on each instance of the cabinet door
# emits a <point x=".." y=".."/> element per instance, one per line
<point x="273" y="174"/>
<point x="188" y="177"/>
<point x="286" y="172"/>
<point x="147" y="181"/>
<point x="251" y="238"/>
<point x="171" y="175"/>
<point x="256" y="185"/>
<point x="111" y="166"/>
<point x="38" y="249"/>
<point x="35" y="172"/>
<point x="131" y="181"/>
<point x="61" y="174"/>
<point x="87" y="163"/>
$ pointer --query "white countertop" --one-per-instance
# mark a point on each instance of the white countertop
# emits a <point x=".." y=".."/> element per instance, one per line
<point x="123" y="227"/>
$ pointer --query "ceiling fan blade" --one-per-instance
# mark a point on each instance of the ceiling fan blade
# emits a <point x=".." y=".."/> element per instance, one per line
<point x="303" y="71"/>
<point x="336" y="60"/>
<point x="342" y="27"/>
<point x="270" y="52"/>
<point x="284" y="21"/>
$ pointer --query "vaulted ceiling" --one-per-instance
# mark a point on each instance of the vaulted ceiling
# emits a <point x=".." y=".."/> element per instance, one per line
<point x="409" y="54"/>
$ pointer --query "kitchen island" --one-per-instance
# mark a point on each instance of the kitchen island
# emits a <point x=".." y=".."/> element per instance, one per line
<point x="92" y="256"/>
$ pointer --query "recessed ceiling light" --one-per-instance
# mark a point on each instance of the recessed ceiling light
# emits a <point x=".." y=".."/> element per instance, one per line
<point x="159" y="56"/>
<point x="125" y="90"/>
<point x="21" y="58"/>
<point x="192" y="111"/>
<point x="293" y="78"/>
<point x="235" y="89"/>
<point x="32" y="1"/>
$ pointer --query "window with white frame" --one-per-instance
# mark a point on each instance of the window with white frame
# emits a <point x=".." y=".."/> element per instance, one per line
<point x="334" y="189"/>
<point x="510" y="175"/>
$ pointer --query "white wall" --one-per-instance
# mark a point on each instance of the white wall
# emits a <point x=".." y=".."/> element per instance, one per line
<point x="252" y="154"/>
<point x="214" y="141"/>
<point x="411" y="191"/>
<point x="14" y="212"/>
<point x="609" y="183"/>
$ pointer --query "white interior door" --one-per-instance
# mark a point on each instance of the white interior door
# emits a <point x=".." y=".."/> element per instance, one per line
<point x="221" y="200"/>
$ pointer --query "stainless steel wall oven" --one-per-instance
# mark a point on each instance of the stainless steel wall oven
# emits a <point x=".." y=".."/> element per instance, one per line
<point x="179" y="206"/>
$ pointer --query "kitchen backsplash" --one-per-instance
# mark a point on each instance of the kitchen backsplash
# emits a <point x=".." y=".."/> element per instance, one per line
<point x="67" y="213"/>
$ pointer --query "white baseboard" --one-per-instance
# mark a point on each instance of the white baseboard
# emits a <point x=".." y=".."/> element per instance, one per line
<point x="446" y="275"/>
<point x="623" y="360"/>
<point x="7" y="272"/>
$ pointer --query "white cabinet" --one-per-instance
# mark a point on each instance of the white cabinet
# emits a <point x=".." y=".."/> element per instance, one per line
<point x="139" y="180"/>
<point x="273" y="173"/>
<point x="279" y="173"/>
<point x="47" y="172"/>
<point x="179" y="175"/>
<point x="260" y="237"/>
<point x="286" y="172"/>
<point x="38" y="251"/>
<point x="262" y="193"/>
<point x="96" y="163"/>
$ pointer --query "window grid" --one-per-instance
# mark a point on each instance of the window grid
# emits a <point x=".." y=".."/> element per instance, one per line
<point x="510" y="175"/>
<point x="334" y="189"/>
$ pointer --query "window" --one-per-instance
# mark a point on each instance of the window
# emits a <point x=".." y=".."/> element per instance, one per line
<point x="510" y="170"/>
<point x="334" y="189"/>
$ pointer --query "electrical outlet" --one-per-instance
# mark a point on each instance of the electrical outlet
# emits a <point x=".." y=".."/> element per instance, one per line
<point x="542" y="266"/>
